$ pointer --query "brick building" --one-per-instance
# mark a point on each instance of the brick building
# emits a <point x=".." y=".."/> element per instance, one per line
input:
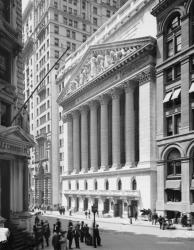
<point x="175" y="107"/>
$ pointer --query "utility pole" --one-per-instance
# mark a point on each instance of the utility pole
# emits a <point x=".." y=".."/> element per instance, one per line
<point x="55" y="64"/>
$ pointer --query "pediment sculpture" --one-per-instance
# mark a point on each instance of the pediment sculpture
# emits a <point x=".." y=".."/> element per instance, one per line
<point x="96" y="63"/>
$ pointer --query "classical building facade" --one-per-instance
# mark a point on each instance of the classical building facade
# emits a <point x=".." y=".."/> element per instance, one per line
<point x="175" y="113"/>
<point x="49" y="28"/>
<point x="109" y="116"/>
<point x="15" y="140"/>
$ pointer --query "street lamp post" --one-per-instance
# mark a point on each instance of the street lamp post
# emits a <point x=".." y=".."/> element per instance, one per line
<point x="94" y="211"/>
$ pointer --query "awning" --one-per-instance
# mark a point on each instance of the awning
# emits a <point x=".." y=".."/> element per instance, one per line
<point x="173" y="184"/>
<point x="192" y="184"/>
<point x="167" y="97"/>
<point x="176" y="94"/>
<point x="191" y="90"/>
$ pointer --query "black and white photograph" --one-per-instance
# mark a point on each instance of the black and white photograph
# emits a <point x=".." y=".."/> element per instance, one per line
<point x="97" y="124"/>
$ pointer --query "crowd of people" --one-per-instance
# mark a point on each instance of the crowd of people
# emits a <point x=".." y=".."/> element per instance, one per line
<point x="64" y="239"/>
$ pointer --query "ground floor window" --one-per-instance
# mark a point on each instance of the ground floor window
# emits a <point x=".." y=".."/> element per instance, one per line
<point x="173" y="195"/>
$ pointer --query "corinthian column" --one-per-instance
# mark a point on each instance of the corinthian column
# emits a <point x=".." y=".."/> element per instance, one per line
<point x="69" y="146"/>
<point x="116" y="149"/>
<point x="93" y="136"/>
<point x="84" y="138"/>
<point x="76" y="142"/>
<point x="129" y="126"/>
<point x="104" y="131"/>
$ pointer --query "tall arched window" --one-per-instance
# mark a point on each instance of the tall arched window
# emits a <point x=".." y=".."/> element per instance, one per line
<point x="119" y="185"/>
<point x="134" y="184"/>
<point x="173" y="35"/>
<point x="173" y="164"/>
<point x="107" y="185"/>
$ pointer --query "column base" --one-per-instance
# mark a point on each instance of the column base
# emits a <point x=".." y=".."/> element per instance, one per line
<point x="83" y="171"/>
<point x="92" y="170"/>
<point x="103" y="168"/>
<point x="116" y="166"/>
<point x="75" y="172"/>
<point x="129" y="165"/>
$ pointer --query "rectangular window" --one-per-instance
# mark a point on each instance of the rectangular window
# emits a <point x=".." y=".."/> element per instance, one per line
<point x="68" y="33"/>
<point x="169" y="127"/>
<point x="95" y="21"/>
<point x="84" y="5"/>
<point x="95" y="10"/>
<point x="55" y="4"/>
<point x="56" y="54"/>
<point x="56" y="29"/>
<point x="170" y="48"/>
<point x="75" y="24"/>
<point x="178" y="44"/>
<point x="169" y="75"/>
<point x="108" y="13"/>
<point x="75" y="12"/>
<point x="56" y="17"/>
<point x="5" y="114"/>
<point x="84" y="15"/>
<point x="56" y="42"/>
<point x="75" y="2"/>
<point x="177" y="123"/>
<point x="84" y="27"/>
<point x="65" y="20"/>
<point x="73" y="46"/>
<point x="84" y="38"/>
<point x="177" y="71"/>
<point x="70" y="22"/>
<point x="70" y="10"/>
<point x="73" y="35"/>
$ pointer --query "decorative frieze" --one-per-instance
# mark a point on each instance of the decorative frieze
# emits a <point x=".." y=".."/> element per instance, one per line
<point x="147" y="75"/>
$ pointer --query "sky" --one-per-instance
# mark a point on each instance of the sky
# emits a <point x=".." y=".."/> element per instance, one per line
<point x="24" y="3"/>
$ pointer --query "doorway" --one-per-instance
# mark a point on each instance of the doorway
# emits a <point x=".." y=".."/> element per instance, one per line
<point x="5" y="188"/>
<point x="118" y="208"/>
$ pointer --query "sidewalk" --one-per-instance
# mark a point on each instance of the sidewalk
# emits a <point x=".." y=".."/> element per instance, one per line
<point x="123" y="225"/>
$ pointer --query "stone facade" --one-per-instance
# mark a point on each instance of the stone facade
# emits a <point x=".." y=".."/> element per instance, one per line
<point x="109" y="118"/>
<point x="15" y="140"/>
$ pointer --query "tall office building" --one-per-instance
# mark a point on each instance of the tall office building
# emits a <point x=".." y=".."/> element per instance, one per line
<point x="49" y="27"/>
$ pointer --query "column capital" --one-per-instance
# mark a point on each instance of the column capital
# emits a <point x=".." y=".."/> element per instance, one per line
<point x="75" y="113"/>
<point x="104" y="99"/>
<point x="115" y="93"/>
<point x="84" y="108"/>
<point x="128" y="86"/>
<point x="93" y="104"/>
<point x="66" y="118"/>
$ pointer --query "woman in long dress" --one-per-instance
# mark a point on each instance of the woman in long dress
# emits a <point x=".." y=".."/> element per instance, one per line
<point x="63" y="241"/>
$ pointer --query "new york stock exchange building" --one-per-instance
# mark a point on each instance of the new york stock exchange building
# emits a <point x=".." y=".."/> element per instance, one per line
<point x="109" y="116"/>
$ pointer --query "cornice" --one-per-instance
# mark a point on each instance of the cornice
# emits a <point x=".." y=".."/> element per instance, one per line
<point x="120" y="172"/>
<point x="162" y="5"/>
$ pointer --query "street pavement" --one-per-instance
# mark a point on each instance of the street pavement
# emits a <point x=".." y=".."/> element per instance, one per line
<point x="118" y="234"/>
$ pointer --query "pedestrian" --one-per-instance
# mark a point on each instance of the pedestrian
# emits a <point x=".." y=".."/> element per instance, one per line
<point x="70" y="236"/>
<point x="36" y="220"/>
<point x="76" y="235"/>
<point x="135" y="215"/>
<point x="86" y="214"/>
<point x="63" y="241"/>
<point x="55" y="241"/>
<point x="38" y="236"/>
<point x="82" y="232"/>
<point x="46" y="232"/>
<point x="89" y="214"/>
<point x="70" y="223"/>
<point x="97" y="236"/>
<point x="58" y="226"/>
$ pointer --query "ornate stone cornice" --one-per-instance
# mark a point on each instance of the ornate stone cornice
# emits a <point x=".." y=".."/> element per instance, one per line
<point x="75" y="113"/>
<point x="93" y="104"/>
<point x="84" y="108"/>
<point x="147" y="75"/>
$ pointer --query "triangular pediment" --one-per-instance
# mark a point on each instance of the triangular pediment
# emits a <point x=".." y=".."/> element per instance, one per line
<point x="99" y="59"/>
<point x="17" y="134"/>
